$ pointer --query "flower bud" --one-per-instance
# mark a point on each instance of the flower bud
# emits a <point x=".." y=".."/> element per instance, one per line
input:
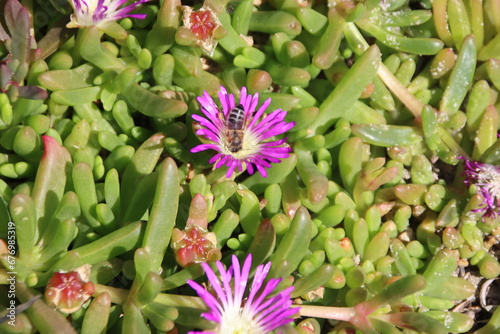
<point x="68" y="291"/>
<point x="195" y="245"/>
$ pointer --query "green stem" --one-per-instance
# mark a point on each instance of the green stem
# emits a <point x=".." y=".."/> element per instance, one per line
<point x="120" y="296"/>
<point x="336" y="313"/>
<point x="451" y="143"/>
<point x="181" y="301"/>
<point x="395" y="86"/>
<point x="402" y="93"/>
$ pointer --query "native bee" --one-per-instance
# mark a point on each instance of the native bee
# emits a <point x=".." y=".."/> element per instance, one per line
<point x="235" y="128"/>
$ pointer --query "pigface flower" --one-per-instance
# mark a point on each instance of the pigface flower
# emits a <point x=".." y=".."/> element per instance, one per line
<point x="203" y="24"/>
<point x="256" y="312"/>
<point x="487" y="179"/>
<point x="240" y="134"/>
<point x="99" y="12"/>
<point x="194" y="244"/>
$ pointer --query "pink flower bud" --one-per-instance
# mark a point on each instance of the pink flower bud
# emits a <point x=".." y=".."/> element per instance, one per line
<point x="68" y="291"/>
<point x="194" y="245"/>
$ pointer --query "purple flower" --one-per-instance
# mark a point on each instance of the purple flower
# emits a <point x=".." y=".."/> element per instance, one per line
<point x="236" y="312"/>
<point x="99" y="12"/>
<point x="487" y="180"/>
<point x="241" y="134"/>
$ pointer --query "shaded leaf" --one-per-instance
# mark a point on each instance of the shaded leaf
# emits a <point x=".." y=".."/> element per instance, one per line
<point x="55" y="37"/>
<point x="5" y="76"/>
<point x="19" y="23"/>
<point x="32" y="92"/>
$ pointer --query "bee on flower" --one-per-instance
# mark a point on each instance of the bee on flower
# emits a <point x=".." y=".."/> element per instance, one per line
<point x="241" y="134"/>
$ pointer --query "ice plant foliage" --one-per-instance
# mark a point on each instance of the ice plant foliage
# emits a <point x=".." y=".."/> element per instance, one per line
<point x="236" y="312"/>
<point x="240" y="133"/>
<point x="487" y="179"/>
<point x="99" y="12"/>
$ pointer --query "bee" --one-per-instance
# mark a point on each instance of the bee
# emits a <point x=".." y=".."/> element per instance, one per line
<point x="235" y="128"/>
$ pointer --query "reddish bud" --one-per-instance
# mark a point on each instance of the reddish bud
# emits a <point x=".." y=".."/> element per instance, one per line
<point x="369" y="89"/>
<point x="202" y="24"/>
<point x="195" y="245"/>
<point x="69" y="291"/>
<point x="345" y="243"/>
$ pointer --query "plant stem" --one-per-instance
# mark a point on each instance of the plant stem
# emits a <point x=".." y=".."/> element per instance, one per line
<point x="337" y="313"/>
<point x="119" y="296"/>
<point x="403" y="94"/>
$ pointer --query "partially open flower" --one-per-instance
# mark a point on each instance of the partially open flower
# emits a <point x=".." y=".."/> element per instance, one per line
<point x="487" y="180"/>
<point x="194" y="245"/>
<point x="240" y="134"/>
<point x="260" y="310"/>
<point x="99" y="12"/>
<point x="203" y="23"/>
<point x="68" y="291"/>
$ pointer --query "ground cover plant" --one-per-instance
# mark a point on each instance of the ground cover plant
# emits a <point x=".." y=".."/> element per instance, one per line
<point x="279" y="166"/>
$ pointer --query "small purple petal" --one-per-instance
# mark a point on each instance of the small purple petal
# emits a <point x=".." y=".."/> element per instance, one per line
<point x="243" y="98"/>
<point x="226" y="100"/>
<point x="259" y="112"/>
<point x="261" y="170"/>
<point x="276" y="143"/>
<point x="274" y="154"/>
<point x="250" y="168"/>
<point x="203" y="147"/>
<point x="261" y="162"/>
<point x="209" y="107"/>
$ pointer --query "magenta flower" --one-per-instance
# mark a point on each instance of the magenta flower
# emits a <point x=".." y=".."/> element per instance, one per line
<point x="487" y="180"/>
<point x="99" y="12"/>
<point x="240" y="134"/>
<point x="236" y="312"/>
